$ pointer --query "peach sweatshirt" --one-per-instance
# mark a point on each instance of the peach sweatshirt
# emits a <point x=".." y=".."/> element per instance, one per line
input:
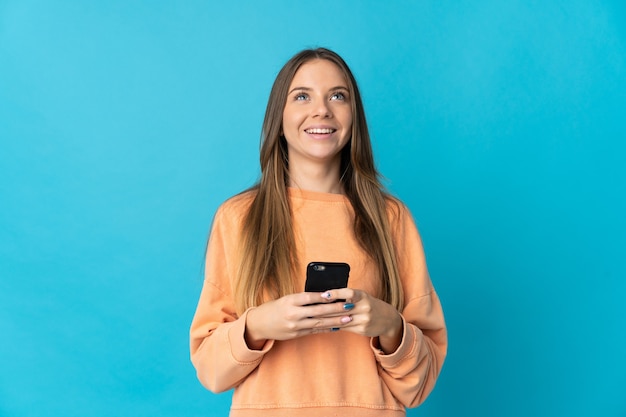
<point x="338" y="373"/>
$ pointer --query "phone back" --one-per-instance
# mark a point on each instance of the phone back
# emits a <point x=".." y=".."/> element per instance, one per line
<point x="323" y="276"/>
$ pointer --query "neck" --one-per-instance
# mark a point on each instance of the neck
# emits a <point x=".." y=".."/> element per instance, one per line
<point x="320" y="178"/>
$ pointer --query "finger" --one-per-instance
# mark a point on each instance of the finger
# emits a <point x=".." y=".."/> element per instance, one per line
<point x="348" y="294"/>
<point x="331" y="296"/>
<point x="329" y="310"/>
<point x="326" y="323"/>
<point x="308" y="298"/>
<point x="331" y="330"/>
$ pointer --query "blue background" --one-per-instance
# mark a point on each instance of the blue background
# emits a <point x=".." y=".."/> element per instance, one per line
<point x="124" y="124"/>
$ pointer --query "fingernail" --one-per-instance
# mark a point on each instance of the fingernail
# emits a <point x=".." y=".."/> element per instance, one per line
<point x="334" y="329"/>
<point x="326" y="295"/>
<point x="348" y="306"/>
<point x="346" y="319"/>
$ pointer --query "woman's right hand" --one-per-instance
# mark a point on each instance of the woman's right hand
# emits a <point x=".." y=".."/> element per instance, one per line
<point x="292" y="316"/>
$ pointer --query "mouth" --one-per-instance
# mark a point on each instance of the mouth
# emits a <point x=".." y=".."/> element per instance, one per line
<point x="320" y="131"/>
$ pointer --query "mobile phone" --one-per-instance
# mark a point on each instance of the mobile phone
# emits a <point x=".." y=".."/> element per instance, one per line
<point x="324" y="276"/>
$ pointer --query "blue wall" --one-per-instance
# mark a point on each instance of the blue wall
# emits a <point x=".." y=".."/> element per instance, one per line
<point x="123" y="125"/>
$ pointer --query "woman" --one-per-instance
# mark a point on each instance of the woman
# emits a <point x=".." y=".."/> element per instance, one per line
<point x="289" y="352"/>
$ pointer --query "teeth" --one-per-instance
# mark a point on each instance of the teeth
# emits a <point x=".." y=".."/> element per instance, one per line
<point x="319" y="131"/>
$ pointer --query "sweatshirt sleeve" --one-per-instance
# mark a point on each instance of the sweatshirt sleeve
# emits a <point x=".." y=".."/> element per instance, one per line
<point x="411" y="371"/>
<point x="218" y="349"/>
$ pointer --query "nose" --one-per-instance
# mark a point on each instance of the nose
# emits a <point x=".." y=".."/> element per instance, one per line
<point x="322" y="109"/>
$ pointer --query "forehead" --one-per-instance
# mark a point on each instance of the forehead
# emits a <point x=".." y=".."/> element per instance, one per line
<point x="319" y="72"/>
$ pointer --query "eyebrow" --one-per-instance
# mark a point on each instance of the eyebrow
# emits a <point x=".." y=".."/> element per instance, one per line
<point x="339" y="87"/>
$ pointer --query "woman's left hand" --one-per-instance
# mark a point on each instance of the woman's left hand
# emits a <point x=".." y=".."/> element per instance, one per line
<point x="369" y="316"/>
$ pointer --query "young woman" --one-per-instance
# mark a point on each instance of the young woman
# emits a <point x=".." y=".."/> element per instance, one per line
<point x="287" y="352"/>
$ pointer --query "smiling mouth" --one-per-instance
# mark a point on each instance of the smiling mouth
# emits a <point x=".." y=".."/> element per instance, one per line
<point x="320" y="131"/>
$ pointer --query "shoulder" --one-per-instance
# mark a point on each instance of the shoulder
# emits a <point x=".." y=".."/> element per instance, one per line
<point x="401" y="222"/>
<point x="239" y="202"/>
<point x="397" y="211"/>
<point x="235" y="208"/>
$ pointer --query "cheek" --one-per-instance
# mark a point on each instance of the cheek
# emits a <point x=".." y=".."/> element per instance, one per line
<point x="347" y="118"/>
<point x="348" y="123"/>
<point x="290" y="127"/>
<point x="290" y="120"/>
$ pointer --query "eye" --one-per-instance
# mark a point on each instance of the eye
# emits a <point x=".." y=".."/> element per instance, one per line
<point x="338" y="95"/>
<point x="301" y="96"/>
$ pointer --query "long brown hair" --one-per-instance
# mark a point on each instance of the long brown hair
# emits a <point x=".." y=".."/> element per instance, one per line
<point x="268" y="252"/>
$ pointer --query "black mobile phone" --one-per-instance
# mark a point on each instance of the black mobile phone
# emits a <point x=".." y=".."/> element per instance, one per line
<point x="324" y="276"/>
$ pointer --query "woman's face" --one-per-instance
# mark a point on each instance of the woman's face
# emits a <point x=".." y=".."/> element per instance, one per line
<point x="317" y="119"/>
